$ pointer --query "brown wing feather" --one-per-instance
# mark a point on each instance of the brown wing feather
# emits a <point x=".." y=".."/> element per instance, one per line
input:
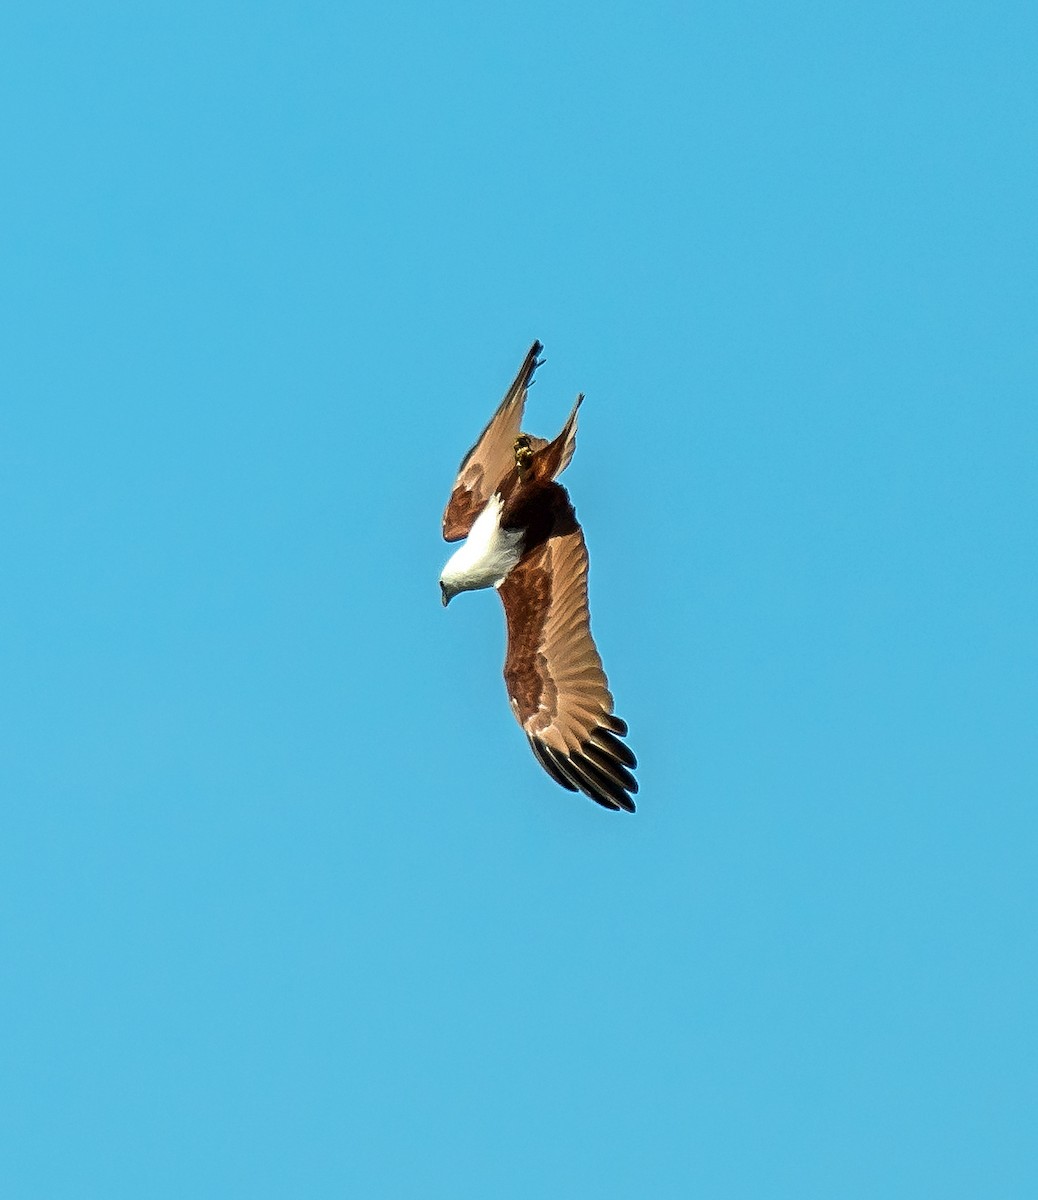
<point x="553" y="672"/>
<point x="491" y="458"/>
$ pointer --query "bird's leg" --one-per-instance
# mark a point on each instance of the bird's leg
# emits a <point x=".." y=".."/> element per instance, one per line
<point x="523" y="454"/>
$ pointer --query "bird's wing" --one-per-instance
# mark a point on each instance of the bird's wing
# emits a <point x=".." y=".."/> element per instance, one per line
<point x="490" y="459"/>
<point x="554" y="675"/>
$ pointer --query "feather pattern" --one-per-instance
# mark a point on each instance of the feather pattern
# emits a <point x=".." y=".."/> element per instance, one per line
<point x="553" y="672"/>
<point x="527" y="542"/>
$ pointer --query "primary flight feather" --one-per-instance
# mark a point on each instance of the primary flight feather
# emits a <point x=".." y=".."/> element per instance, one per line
<point x="522" y="538"/>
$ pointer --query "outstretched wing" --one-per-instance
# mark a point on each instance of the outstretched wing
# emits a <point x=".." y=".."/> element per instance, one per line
<point x="491" y="458"/>
<point x="554" y="675"/>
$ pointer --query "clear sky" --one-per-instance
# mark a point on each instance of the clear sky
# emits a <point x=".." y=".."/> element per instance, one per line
<point x="287" y="907"/>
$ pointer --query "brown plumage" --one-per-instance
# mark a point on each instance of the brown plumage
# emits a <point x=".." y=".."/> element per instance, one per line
<point x="557" y="687"/>
<point x="491" y="458"/>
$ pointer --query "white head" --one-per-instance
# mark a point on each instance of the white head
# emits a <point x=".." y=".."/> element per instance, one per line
<point x="485" y="557"/>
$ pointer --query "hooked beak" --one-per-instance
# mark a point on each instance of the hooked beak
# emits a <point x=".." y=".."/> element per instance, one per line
<point x="445" y="593"/>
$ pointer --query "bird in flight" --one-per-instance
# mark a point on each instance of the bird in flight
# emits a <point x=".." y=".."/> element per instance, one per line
<point x="522" y="537"/>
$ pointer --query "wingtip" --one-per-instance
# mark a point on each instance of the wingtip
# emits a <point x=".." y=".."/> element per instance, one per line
<point x="605" y="782"/>
<point x="525" y="378"/>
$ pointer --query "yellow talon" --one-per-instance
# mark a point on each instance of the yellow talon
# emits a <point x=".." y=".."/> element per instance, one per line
<point x="523" y="453"/>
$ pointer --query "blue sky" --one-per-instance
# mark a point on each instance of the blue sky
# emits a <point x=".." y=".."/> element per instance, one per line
<point x="287" y="907"/>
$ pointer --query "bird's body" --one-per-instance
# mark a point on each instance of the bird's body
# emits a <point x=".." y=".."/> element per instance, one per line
<point x="522" y="537"/>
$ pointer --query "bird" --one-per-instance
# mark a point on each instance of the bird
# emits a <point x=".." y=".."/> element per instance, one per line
<point x="522" y="537"/>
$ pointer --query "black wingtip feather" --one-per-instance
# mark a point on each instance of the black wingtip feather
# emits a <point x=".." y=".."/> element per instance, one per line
<point x="609" y="765"/>
<point x="581" y="773"/>
<point x="562" y="767"/>
<point x="541" y="753"/>
<point x="601" y="769"/>
<point x="612" y="745"/>
<point x="598" y="785"/>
